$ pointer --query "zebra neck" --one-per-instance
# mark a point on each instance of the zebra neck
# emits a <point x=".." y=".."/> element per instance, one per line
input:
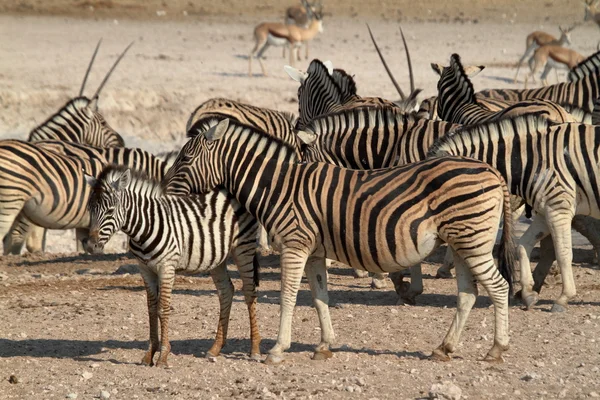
<point x="138" y="211"/>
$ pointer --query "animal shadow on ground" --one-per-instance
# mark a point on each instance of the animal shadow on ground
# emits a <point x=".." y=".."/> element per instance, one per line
<point x="78" y="258"/>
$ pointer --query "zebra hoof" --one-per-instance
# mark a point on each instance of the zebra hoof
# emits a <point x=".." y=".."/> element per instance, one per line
<point x="321" y="355"/>
<point x="440" y="355"/>
<point x="256" y="357"/>
<point x="359" y="273"/>
<point x="491" y="359"/>
<point x="378" y="283"/>
<point x="443" y="274"/>
<point x="557" y="308"/>
<point x="409" y="299"/>
<point x="273" y="359"/>
<point x="530" y="300"/>
<point x="163" y="364"/>
<point x="147" y="360"/>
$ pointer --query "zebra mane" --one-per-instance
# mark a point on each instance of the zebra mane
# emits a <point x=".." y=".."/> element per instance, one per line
<point x="234" y="125"/>
<point x="589" y="66"/>
<point x="76" y="103"/>
<point x="346" y="84"/>
<point x="319" y="73"/>
<point x="505" y="127"/>
<point x="463" y="79"/>
<point x="360" y="115"/>
<point x="140" y="183"/>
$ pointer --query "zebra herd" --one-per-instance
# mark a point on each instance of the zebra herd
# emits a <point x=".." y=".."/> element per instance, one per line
<point x="361" y="180"/>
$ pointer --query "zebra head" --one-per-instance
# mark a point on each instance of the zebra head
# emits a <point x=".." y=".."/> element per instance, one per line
<point x="105" y="206"/>
<point x="184" y="177"/>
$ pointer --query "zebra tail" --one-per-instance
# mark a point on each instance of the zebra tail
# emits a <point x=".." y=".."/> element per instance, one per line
<point x="507" y="251"/>
<point x="256" y="266"/>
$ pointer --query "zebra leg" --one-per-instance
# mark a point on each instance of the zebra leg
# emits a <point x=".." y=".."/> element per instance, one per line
<point x="316" y="272"/>
<point x="379" y="280"/>
<point x="8" y="214"/>
<point x="224" y="287"/>
<point x="547" y="257"/>
<point x="561" y="236"/>
<point x="590" y="228"/>
<point x="360" y="273"/>
<point x="263" y="240"/>
<point x="36" y="239"/>
<point x="536" y="231"/>
<point x="407" y="292"/>
<point x="166" y="281"/>
<point x="445" y="271"/>
<point x="16" y="238"/>
<point x="292" y="266"/>
<point x="151" y="285"/>
<point x="467" y="292"/>
<point x="81" y="234"/>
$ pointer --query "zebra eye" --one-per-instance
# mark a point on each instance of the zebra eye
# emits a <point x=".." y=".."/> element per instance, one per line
<point x="110" y="210"/>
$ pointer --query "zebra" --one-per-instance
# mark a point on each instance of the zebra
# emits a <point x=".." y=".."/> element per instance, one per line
<point x="276" y="123"/>
<point x="553" y="167"/>
<point x="169" y="234"/>
<point x="43" y="184"/>
<point x="457" y="103"/>
<point x="379" y="220"/>
<point x="581" y="91"/>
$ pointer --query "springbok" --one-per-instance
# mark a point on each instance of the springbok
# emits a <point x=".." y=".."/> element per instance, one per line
<point x="551" y="56"/>
<point x="298" y="15"/>
<point x="591" y="11"/>
<point x="538" y="39"/>
<point x="276" y="34"/>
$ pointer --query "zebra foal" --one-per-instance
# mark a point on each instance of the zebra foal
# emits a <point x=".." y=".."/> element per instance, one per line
<point x="169" y="234"/>
<point x="380" y="220"/>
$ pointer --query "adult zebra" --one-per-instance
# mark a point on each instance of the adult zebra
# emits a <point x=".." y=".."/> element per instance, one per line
<point x="553" y="167"/>
<point x="43" y="184"/>
<point x="169" y="234"/>
<point x="381" y="220"/>
<point x="457" y="103"/>
<point x="581" y="91"/>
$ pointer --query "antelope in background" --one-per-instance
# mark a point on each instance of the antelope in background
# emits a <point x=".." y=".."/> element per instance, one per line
<point x="538" y="39"/>
<point x="591" y="11"/>
<point x="277" y="34"/>
<point x="298" y="15"/>
<point x="552" y="56"/>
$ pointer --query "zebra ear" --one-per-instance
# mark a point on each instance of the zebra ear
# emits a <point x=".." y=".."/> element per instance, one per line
<point x="307" y="137"/>
<point x="216" y="132"/>
<point x="92" y="181"/>
<point x="125" y="179"/>
<point x="472" y="70"/>
<point x="296" y="74"/>
<point x="437" y="68"/>
<point x="329" y="65"/>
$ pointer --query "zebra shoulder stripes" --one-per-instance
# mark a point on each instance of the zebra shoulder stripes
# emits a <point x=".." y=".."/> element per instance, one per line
<point x="380" y="220"/>
<point x="553" y="167"/>
<point x="457" y="102"/>
<point x="169" y="234"/>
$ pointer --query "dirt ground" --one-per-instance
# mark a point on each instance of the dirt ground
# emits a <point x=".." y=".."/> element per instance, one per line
<point x="70" y="326"/>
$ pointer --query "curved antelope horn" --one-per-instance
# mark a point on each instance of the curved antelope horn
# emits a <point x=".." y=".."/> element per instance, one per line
<point x="89" y="67"/>
<point x="410" y="69"/>
<point x="110" y="72"/>
<point x="400" y="92"/>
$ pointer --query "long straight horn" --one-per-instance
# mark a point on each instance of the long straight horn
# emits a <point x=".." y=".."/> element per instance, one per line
<point x="110" y="72"/>
<point x="89" y="68"/>
<point x="400" y="92"/>
<point x="410" y="69"/>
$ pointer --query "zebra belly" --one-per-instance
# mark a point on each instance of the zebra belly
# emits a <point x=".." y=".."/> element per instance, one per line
<point x="65" y="217"/>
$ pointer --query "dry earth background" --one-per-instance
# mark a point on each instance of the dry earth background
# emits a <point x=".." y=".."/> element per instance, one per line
<point x="70" y="326"/>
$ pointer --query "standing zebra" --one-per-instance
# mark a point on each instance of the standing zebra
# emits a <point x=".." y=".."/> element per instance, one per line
<point x="43" y="184"/>
<point x="553" y="167"/>
<point x="581" y="91"/>
<point x="169" y="234"/>
<point x="457" y="103"/>
<point x="275" y="123"/>
<point x="381" y="220"/>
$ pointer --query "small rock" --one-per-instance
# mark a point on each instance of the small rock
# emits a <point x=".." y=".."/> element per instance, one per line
<point x="594" y="394"/>
<point x="394" y="311"/>
<point x="104" y="395"/>
<point x="349" y="389"/>
<point x="87" y="375"/>
<point x="445" y="390"/>
<point x="539" y="364"/>
<point x="72" y="396"/>
<point x="94" y="365"/>
<point x="529" y="376"/>
<point x="13" y="379"/>
<point x="413" y="371"/>
<point x="361" y="382"/>
<point x="517" y="392"/>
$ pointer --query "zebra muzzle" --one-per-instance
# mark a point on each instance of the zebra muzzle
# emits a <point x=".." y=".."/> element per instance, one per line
<point x="92" y="244"/>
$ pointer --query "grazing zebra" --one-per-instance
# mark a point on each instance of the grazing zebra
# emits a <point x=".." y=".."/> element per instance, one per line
<point x="379" y="220"/>
<point x="582" y="90"/>
<point x="43" y="184"/>
<point x="457" y="101"/>
<point x="276" y="123"/>
<point x="169" y="234"/>
<point x="553" y="167"/>
<point x="372" y="138"/>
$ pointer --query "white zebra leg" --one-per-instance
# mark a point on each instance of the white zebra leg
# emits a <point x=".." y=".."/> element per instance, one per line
<point x="166" y="278"/>
<point x="467" y="293"/>
<point x="292" y="267"/>
<point x="360" y="273"/>
<point x="8" y="214"/>
<point x="536" y="231"/>
<point x="224" y="287"/>
<point x="14" y="241"/>
<point x="316" y="273"/>
<point x="379" y="280"/>
<point x="36" y="239"/>
<point x="445" y="271"/>
<point x="151" y="285"/>
<point x="244" y="260"/>
<point x="561" y="236"/>
<point x="81" y="234"/>
<point x="263" y="241"/>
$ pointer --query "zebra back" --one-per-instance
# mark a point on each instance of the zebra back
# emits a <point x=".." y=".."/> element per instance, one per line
<point x="77" y="122"/>
<point x="372" y="137"/>
<point x="587" y="67"/>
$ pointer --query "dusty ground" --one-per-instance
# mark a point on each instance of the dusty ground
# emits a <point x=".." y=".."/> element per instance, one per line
<point x="64" y="315"/>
